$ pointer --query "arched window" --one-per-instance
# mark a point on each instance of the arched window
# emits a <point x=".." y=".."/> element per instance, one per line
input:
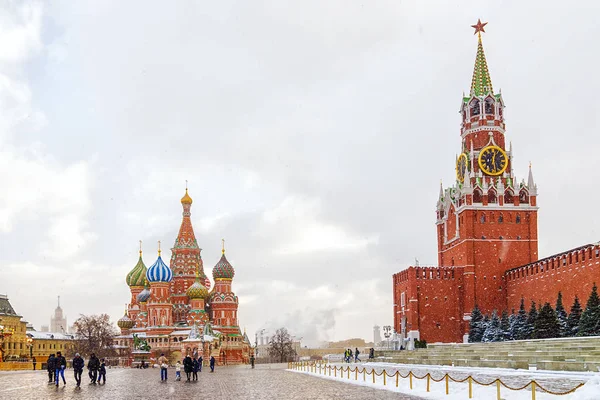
<point x="518" y="219"/>
<point x="477" y="196"/>
<point x="508" y="197"/>
<point x="492" y="197"/>
<point x="489" y="106"/>
<point x="500" y="218"/>
<point x="523" y="197"/>
<point x="475" y="107"/>
<point x="482" y="218"/>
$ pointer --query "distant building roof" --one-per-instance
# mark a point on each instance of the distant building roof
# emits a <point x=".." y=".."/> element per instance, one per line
<point x="5" y="307"/>
<point x="50" y="335"/>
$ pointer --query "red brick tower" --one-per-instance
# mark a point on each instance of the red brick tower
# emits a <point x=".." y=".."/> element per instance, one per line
<point x="185" y="260"/>
<point x="160" y="309"/>
<point x="223" y="302"/>
<point x="136" y="279"/>
<point x="487" y="221"/>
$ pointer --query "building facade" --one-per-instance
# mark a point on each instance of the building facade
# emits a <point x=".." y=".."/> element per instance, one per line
<point x="175" y="311"/>
<point x="487" y="234"/>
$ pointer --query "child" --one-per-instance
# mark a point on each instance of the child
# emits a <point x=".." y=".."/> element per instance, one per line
<point x="178" y="371"/>
<point x="102" y="372"/>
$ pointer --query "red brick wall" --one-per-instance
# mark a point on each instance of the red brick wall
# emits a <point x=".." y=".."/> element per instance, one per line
<point x="436" y="306"/>
<point x="572" y="272"/>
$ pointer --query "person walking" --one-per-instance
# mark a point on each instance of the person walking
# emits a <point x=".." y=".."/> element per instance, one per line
<point x="178" y="371"/>
<point x="60" y="363"/>
<point x="102" y="372"/>
<point x="252" y="360"/>
<point x="188" y="366"/>
<point x="78" y="368"/>
<point x="195" y="369"/>
<point x="356" y="353"/>
<point x="212" y="363"/>
<point x="51" y="367"/>
<point x="93" y="366"/>
<point x="34" y="363"/>
<point x="164" y="364"/>
<point x="200" y="361"/>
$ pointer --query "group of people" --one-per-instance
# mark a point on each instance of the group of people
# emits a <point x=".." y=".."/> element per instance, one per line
<point x="349" y="355"/>
<point x="57" y="364"/>
<point x="191" y="367"/>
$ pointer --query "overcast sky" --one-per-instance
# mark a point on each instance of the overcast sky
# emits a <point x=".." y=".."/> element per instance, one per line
<point x="313" y="135"/>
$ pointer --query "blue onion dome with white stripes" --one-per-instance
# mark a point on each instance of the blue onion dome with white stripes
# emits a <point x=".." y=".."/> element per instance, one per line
<point x="159" y="271"/>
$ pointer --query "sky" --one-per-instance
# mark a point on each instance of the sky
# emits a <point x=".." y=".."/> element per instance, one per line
<point x="313" y="136"/>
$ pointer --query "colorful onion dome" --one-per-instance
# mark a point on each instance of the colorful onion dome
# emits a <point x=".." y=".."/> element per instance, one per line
<point x="144" y="295"/>
<point x="197" y="290"/>
<point x="186" y="199"/>
<point x="137" y="275"/>
<point x="125" y="322"/>
<point x="159" y="271"/>
<point x="223" y="270"/>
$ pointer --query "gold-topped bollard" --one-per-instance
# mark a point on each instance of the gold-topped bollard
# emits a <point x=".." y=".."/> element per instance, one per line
<point x="447" y="385"/>
<point x="410" y="378"/>
<point x="373" y="372"/>
<point x="364" y="374"/>
<point x="498" y="390"/>
<point x="348" y="372"/>
<point x="428" y="381"/>
<point x="470" y="387"/>
<point x="533" y="390"/>
<point x="384" y="374"/>
<point x="397" y="375"/>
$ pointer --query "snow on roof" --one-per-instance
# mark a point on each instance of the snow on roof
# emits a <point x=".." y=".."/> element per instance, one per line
<point x="50" y="335"/>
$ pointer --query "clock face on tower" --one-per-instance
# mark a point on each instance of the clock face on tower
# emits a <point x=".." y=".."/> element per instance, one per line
<point x="461" y="167"/>
<point x="493" y="160"/>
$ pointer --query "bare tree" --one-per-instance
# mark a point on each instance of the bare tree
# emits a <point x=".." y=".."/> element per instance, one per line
<point x="281" y="346"/>
<point x="94" y="334"/>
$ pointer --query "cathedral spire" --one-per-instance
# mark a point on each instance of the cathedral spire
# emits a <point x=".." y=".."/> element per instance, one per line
<point x="531" y="183"/>
<point x="481" y="83"/>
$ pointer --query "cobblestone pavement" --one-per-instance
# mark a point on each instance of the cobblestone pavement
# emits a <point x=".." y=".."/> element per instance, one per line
<point x="231" y="383"/>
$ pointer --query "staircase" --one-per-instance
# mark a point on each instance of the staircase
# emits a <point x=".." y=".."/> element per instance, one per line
<point x="572" y="354"/>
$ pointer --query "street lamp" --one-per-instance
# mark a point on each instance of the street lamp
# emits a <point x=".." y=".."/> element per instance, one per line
<point x="387" y="333"/>
<point x="4" y="333"/>
<point x="30" y="345"/>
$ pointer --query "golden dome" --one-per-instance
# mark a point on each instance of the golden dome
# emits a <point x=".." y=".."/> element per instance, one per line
<point x="186" y="199"/>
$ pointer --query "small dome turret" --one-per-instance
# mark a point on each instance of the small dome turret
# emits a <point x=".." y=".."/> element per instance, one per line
<point x="159" y="271"/>
<point x="125" y="322"/>
<point x="144" y="294"/>
<point x="197" y="290"/>
<point x="223" y="269"/>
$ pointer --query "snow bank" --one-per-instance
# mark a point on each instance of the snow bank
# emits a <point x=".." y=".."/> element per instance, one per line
<point x="457" y="391"/>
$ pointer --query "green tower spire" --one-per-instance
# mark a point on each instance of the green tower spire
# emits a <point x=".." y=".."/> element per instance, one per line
<point x="482" y="82"/>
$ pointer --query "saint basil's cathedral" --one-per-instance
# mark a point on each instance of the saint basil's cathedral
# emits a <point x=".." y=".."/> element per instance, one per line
<point x="487" y="235"/>
<point x="174" y="310"/>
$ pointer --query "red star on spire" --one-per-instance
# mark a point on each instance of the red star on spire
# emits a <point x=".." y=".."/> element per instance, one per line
<point x="479" y="26"/>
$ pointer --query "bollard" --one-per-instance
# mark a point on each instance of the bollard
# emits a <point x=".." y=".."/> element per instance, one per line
<point x="470" y="387"/>
<point x="532" y="390"/>
<point x="356" y="374"/>
<point x="348" y="372"/>
<point x="397" y="374"/>
<point x="335" y="372"/>
<point x="384" y="374"/>
<point x="319" y="368"/>
<point x="364" y="374"/>
<point x="373" y="372"/>
<point x="410" y="378"/>
<point x="447" y="385"/>
<point x="498" y="389"/>
<point x="330" y="370"/>
<point x="428" y="376"/>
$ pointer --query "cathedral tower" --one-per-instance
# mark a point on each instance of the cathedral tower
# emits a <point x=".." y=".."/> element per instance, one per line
<point x="223" y="302"/>
<point x="185" y="261"/>
<point x="487" y="220"/>
<point x="160" y="308"/>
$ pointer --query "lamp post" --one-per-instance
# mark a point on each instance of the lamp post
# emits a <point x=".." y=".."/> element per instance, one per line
<point x="30" y="345"/>
<point x="387" y="333"/>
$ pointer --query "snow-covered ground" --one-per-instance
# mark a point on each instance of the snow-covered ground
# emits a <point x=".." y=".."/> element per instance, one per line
<point x="553" y="380"/>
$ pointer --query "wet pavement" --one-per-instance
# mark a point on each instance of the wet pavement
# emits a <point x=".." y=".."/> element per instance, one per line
<point x="269" y="381"/>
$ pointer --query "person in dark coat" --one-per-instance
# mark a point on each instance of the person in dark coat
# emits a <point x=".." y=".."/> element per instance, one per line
<point x="78" y="365"/>
<point x="34" y="363"/>
<point x="188" y="366"/>
<point x="51" y="367"/>
<point x="252" y="360"/>
<point x="93" y="366"/>
<point x="212" y="364"/>
<point x="200" y="361"/>
<point x="60" y="363"/>
<point x="102" y="372"/>
<point x="195" y="369"/>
